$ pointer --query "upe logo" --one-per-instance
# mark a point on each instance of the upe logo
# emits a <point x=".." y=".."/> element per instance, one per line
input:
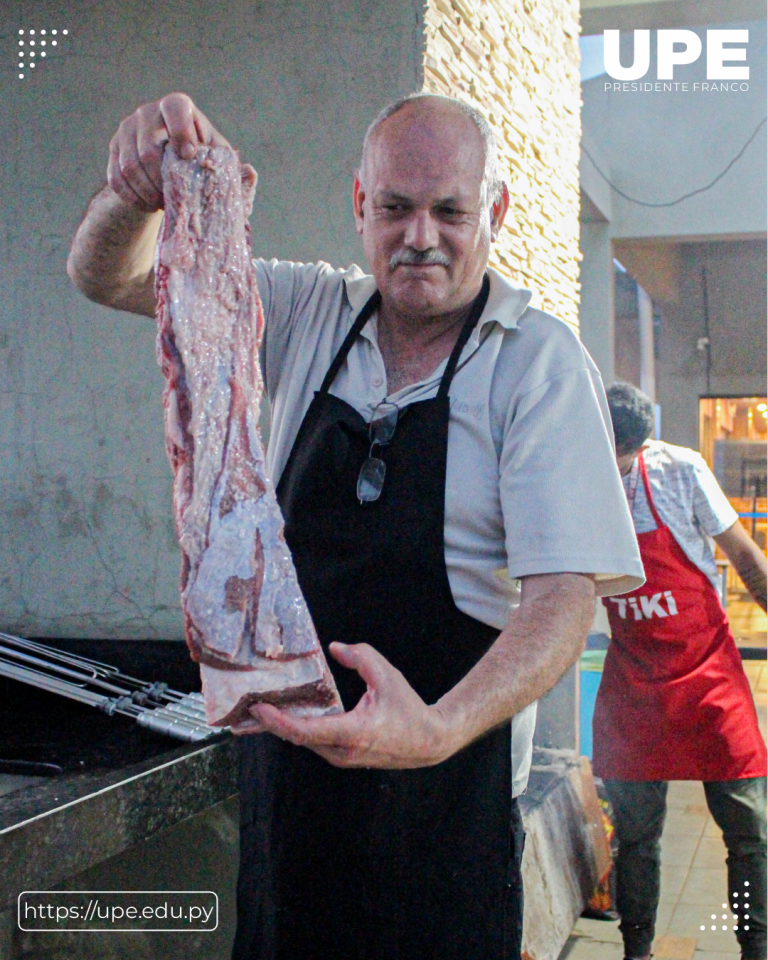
<point x="688" y="50"/>
<point x="648" y="606"/>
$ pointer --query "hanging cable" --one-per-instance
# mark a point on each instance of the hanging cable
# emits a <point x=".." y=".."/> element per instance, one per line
<point x="672" y="203"/>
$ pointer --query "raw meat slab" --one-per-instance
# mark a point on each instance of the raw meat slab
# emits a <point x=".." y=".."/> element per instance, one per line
<point x="245" y="619"/>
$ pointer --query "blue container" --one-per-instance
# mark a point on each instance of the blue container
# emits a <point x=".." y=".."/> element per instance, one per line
<point x="590" y="675"/>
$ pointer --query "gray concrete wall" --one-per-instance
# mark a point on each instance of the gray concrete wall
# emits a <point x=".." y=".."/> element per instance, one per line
<point x="88" y="547"/>
<point x="736" y="287"/>
<point x="657" y="146"/>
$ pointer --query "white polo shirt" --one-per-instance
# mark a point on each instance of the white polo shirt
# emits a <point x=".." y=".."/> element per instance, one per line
<point x="532" y="485"/>
<point x="688" y="499"/>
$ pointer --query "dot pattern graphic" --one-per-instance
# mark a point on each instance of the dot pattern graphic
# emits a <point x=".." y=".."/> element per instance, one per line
<point x="27" y="53"/>
<point x="734" y="912"/>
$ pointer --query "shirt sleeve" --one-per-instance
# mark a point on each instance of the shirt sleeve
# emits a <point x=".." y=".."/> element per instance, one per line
<point x="562" y="499"/>
<point x="711" y="508"/>
<point x="284" y="289"/>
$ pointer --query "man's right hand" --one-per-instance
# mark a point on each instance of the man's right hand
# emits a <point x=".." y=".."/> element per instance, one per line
<point x="112" y="255"/>
<point x="136" y="150"/>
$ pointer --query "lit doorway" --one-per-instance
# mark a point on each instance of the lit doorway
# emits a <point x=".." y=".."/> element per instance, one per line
<point x="732" y="439"/>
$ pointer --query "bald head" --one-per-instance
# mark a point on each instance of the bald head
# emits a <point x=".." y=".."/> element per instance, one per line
<point x="437" y="122"/>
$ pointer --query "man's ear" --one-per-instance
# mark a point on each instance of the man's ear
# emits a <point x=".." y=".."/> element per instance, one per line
<point x="499" y="212"/>
<point x="358" y="199"/>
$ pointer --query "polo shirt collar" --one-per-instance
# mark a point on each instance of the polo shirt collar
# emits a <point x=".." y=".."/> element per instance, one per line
<point x="506" y="302"/>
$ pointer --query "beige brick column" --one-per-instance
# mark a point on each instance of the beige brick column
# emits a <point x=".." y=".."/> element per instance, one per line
<point x="518" y="61"/>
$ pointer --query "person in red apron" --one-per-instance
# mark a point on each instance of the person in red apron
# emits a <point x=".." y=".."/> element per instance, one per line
<point x="674" y="702"/>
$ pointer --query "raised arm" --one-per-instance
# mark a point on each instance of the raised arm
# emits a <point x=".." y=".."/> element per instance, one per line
<point x="111" y="259"/>
<point x="747" y="558"/>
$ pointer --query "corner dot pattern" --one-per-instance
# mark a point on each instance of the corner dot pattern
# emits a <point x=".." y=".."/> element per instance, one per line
<point x="22" y="64"/>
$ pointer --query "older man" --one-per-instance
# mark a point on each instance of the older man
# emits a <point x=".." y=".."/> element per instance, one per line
<point x="460" y="577"/>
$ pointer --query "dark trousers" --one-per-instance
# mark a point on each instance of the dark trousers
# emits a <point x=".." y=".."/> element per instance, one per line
<point x="738" y="807"/>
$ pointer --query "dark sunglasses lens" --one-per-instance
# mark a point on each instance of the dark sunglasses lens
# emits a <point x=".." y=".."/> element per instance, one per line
<point x="382" y="427"/>
<point x="371" y="480"/>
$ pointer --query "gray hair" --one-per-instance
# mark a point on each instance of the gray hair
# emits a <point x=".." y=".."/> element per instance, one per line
<point x="492" y="184"/>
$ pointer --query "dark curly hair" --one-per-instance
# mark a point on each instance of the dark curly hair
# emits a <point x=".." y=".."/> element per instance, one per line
<point x="632" y="415"/>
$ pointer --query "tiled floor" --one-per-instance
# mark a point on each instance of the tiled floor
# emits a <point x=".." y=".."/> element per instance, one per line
<point x="693" y="878"/>
<point x="748" y="622"/>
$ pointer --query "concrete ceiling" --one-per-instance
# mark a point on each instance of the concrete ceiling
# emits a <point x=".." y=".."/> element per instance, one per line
<point x="599" y="15"/>
<point x="593" y="4"/>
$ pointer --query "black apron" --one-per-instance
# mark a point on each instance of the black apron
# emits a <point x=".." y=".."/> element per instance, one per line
<point x="373" y="864"/>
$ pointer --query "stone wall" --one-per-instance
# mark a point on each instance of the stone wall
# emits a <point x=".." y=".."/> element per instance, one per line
<point x="518" y="61"/>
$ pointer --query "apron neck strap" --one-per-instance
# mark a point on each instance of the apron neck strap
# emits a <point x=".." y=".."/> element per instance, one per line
<point x="450" y="368"/>
<point x="363" y="317"/>
<point x="648" y="497"/>
<point x="466" y="331"/>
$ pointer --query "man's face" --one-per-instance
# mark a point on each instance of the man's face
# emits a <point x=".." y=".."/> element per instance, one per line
<point x="422" y="215"/>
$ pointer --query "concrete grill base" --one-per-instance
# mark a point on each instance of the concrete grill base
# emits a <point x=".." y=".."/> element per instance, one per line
<point x="566" y="850"/>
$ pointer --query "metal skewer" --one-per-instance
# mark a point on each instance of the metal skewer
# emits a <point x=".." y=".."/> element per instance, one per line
<point x="96" y="668"/>
<point x="154" y="706"/>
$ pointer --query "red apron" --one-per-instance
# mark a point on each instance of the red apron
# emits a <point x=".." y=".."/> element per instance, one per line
<point x="674" y="702"/>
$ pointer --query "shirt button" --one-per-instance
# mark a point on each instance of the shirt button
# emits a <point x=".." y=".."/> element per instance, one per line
<point x="377" y="382"/>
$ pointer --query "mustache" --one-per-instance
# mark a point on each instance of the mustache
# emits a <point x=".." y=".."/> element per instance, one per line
<point x="418" y="258"/>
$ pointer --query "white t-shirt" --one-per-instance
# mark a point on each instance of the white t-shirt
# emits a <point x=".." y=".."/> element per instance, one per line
<point x="688" y="499"/>
<point x="530" y="452"/>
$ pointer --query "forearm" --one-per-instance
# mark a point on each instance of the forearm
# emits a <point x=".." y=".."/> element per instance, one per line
<point x="112" y="255"/>
<point x="752" y="570"/>
<point x="747" y="559"/>
<point x="543" y="638"/>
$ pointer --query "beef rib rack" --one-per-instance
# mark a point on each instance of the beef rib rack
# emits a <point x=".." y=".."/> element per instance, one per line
<point x="245" y="619"/>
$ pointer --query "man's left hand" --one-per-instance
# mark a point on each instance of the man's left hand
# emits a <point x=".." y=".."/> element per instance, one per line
<point x="390" y="728"/>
